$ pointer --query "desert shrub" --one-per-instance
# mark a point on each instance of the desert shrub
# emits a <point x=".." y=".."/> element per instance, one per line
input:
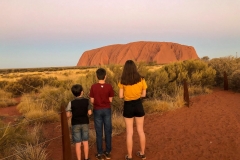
<point x="51" y="81"/>
<point x="156" y="106"/>
<point x="157" y="83"/>
<point x="113" y="78"/>
<point x="87" y="81"/>
<point x="118" y="123"/>
<point x="10" y="136"/>
<point x="142" y="68"/>
<point x="198" y="72"/>
<point x="29" y="102"/>
<point x="224" y="64"/>
<point x="194" y="90"/>
<point x="53" y="98"/>
<point x="25" y="84"/>
<point x="178" y="101"/>
<point x="66" y="84"/>
<point x="166" y="103"/>
<point x="29" y="152"/>
<point x="34" y="148"/>
<point x="46" y="105"/>
<point x="35" y="134"/>
<point x="39" y="116"/>
<point x="169" y="77"/>
<point x="3" y="84"/>
<point x="6" y="99"/>
<point x="92" y="137"/>
<point x="235" y="81"/>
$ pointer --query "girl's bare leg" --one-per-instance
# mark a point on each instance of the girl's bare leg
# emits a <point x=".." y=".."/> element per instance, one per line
<point x="129" y="132"/>
<point x="141" y="134"/>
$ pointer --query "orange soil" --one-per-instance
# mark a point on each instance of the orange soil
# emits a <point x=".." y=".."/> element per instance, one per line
<point x="208" y="130"/>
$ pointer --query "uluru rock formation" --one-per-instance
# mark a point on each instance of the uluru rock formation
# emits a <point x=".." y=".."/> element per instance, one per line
<point x="158" y="52"/>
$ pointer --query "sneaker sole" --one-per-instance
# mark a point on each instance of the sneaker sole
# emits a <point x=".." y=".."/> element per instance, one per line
<point x="107" y="157"/>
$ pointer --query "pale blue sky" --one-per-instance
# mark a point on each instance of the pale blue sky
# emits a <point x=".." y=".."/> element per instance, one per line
<point x="52" y="33"/>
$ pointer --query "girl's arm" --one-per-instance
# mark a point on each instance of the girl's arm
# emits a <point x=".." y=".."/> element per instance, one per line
<point x="143" y="93"/>
<point x="120" y="93"/>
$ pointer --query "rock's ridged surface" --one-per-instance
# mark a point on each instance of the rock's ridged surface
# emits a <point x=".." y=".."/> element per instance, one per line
<point x="159" y="52"/>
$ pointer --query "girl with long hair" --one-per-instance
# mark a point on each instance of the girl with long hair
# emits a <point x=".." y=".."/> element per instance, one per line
<point x="132" y="87"/>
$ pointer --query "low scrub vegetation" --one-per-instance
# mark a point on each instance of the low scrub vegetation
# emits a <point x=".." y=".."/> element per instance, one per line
<point x="13" y="138"/>
<point x="6" y="99"/>
<point x="231" y="66"/>
<point x="42" y="96"/>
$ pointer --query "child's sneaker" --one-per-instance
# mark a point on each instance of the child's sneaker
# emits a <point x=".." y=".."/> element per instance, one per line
<point x="141" y="155"/>
<point x="107" y="155"/>
<point x="99" y="157"/>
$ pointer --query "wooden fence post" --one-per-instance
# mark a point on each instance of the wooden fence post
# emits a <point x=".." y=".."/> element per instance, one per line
<point x="185" y="94"/>
<point x="66" y="144"/>
<point x="225" y="81"/>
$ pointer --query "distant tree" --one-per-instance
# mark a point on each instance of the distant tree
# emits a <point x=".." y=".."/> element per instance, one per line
<point x="205" y="58"/>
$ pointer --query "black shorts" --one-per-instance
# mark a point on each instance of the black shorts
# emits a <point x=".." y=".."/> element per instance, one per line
<point x="133" y="108"/>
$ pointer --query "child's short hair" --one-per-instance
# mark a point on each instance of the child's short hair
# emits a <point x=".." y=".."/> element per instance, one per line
<point x="76" y="90"/>
<point x="101" y="73"/>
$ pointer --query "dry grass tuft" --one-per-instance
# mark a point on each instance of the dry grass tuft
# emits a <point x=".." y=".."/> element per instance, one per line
<point x="156" y="106"/>
<point x="30" y="152"/>
<point x="92" y="137"/>
<point x="118" y="123"/>
<point x="6" y="99"/>
<point x="33" y="148"/>
<point x="197" y="90"/>
<point x="34" y="109"/>
<point x="42" y="116"/>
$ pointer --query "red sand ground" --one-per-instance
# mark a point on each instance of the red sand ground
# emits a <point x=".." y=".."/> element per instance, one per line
<point x="208" y="130"/>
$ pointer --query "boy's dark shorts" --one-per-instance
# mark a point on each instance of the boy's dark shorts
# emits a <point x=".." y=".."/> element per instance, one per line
<point x="80" y="133"/>
<point x="133" y="108"/>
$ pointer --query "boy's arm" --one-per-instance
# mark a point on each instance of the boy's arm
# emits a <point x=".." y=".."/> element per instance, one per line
<point x="110" y="99"/>
<point x="90" y="112"/>
<point x="111" y="94"/>
<point x="91" y="100"/>
<point x="69" y="114"/>
<point x="90" y="109"/>
<point x="68" y="110"/>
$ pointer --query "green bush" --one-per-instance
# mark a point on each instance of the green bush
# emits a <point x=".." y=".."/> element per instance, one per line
<point x="224" y="64"/>
<point x="157" y="82"/>
<point x="168" y="78"/>
<point x="235" y="81"/>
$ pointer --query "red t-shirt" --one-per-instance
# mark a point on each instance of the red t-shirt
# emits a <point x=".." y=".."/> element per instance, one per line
<point x="101" y="94"/>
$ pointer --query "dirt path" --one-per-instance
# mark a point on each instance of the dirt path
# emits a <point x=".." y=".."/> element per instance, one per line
<point x="208" y="130"/>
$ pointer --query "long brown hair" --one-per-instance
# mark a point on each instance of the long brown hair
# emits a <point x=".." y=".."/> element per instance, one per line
<point x="130" y="74"/>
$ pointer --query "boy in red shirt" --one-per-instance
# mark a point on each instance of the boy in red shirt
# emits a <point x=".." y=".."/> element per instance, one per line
<point x="101" y="95"/>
